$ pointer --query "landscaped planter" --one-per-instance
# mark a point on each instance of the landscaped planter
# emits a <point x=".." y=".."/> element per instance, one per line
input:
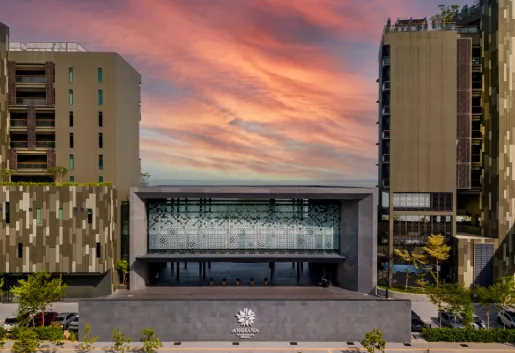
<point x="399" y="295"/>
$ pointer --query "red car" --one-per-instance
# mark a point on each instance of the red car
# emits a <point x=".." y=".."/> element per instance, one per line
<point x="38" y="319"/>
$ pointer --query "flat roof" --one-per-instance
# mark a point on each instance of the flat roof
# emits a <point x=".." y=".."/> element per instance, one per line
<point x="257" y="191"/>
<point x="244" y="256"/>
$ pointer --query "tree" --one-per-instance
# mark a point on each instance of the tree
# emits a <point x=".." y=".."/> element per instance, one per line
<point x="458" y="302"/>
<point x="411" y="258"/>
<point x="486" y="297"/>
<point x="27" y="341"/>
<point x="57" y="173"/>
<point x="5" y="174"/>
<point x="438" y="250"/>
<point x="504" y="293"/>
<point x="88" y="340"/>
<point x="447" y="14"/>
<point x="436" y="296"/>
<point x="35" y="293"/>
<point x="123" y="267"/>
<point x="373" y="341"/>
<point x="144" y="178"/>
<point x="121" y="342"/>
<point x="150" y="342"/>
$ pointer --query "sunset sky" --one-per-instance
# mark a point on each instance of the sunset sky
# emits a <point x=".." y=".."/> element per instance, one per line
<point x="239" y="89"/>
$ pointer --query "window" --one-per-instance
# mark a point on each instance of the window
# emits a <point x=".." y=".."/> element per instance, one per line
<point x="98" y="250"/>
<point x="20" y="251"/>
<point x="70" y="97"/>
<point x="100" y="162"/>
<point x="100" y="97"/>
<point x="100" y="119"/>
<point x="71" y="139"/>
<point x="38" y="216"/>
<point x="70" y="75"/>
<point x="101" y="179"/>
<point x="60" y="214"/>
<point x="72" y="179"/>
<point x="100" y="140"/>
<point x="100" y="75"/>
<point x="90" y="215"/>
<point x="72" y="162"/>
<point x="70" y="117"/>
<point x="7" y="213"/>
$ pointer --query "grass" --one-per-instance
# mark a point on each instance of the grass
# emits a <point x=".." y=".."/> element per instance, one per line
<point x="410" y="290"/>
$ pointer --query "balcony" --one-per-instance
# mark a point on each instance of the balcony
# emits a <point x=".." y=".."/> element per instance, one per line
<point x="477" y="110"/>
<point x="386" y="86"/>
<point x="19" y="144"/>
<point x="31" y="79"/>
<point x="30" y="101"/>
<point x="478" y="85"/>
<point x="468" y="229"/>
<point x="45" y="144"/>
<point x="386" y="134"/>
<point x="386" y="111"/>
<point x="477" y="134"/>
<point x="18" y="122"/>
<point x="476" y="61"/>
<point x="32" y="165"/>
<point x="386" y="158"/>
<point x="386" y="61"/>
<point x="45" y="122"/>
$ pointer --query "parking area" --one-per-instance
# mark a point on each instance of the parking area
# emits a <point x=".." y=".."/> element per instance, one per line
<point x="10" y="309"/>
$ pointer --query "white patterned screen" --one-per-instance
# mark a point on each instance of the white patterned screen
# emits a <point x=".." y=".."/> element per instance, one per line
<point x="243" y="225"/>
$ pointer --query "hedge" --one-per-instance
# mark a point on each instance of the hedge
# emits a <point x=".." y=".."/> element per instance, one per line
<point x="446" y="334"/>
<point x="55" y="184"/>
<point x="44" y="333"/>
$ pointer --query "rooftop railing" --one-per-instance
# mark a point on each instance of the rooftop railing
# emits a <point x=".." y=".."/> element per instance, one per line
<point x="432" y="27"/>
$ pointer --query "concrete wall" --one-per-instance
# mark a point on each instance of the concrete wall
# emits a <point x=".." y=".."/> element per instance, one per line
<point x="333" y="321"/>
<point x="57" y="245"/>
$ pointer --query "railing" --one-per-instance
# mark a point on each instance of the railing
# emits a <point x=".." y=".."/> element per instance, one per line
<point x="386" y="85"/>
<point x="433" y="27"/>
<point x="386" y="134"/>
<point x="476" y="61"/>
<point x="386" y="110"/>
<point x="19" y="144"/>
<point x="30" y="101"/>
<point x="386" y="158"/>
<point x="30" y="79"/>
<point x="45" y="122"/>
<point x="468" y="229"/>
<point x="18" y="122"/>
<point x="32" y="165"/>
<point x="477" y="85"/>
<point x="477" y="110"/>
<point x="45" y="144"/>
<point x="386" y="61"/>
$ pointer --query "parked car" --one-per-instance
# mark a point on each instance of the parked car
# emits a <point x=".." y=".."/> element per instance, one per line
<point x="40" y="320"/>
<point x="64" y="319"/>
<point x="507" y="318"/>
<point x="74" y="325"/>
<point x="477" y="323"/>
<point x="10" y="323"/>
<point x="450" y="320"/>
<point x="416" y="323"/>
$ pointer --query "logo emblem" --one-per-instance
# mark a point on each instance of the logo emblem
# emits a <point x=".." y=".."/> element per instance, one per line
<point x="246" y="317"/>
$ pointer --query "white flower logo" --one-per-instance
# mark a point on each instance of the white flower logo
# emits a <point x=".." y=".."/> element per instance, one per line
<point x="246" y="317"/>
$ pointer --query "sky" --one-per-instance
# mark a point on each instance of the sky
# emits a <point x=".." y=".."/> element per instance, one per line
<point x="269" y="90"/>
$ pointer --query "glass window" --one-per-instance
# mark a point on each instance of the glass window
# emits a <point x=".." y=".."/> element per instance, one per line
<point x="72" y="162"/>
<point x="100" y="97"/>
<point x="72" y="179"/>
<point x="100" y="162"/>
<point x="100" y="75"/>
<point x="20" y="250"/>
<point x="71" y="140"/>
<point x="100" y="140"/>
<point x="38" y="216"/>
<point x="70" y="75"/>
<point x="90" y="215"/>
<point x="60" y="213"/>
<point x="98" y="250"/>
<point x="71" y="119"/>
<point x="70" y="97"/>
<point x="100" y="179"/>
<point x="7" y="213"/>
<point x="100" y="119"/>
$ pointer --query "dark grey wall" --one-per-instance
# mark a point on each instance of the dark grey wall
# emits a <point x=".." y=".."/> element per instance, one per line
<point x="276" y="320"/>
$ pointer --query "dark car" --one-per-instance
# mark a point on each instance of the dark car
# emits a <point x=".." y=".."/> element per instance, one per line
<point x="43" y="320"/>
<point x="416" y="323"/>
<point x="64" y="319"/>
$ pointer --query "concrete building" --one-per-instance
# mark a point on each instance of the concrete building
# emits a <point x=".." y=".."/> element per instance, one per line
<point x="61" y="105"/>
<point x="444" y="139"/>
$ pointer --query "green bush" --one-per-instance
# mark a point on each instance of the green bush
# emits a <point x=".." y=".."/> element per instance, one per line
<point x="3" y="333"/>
<point x="46" y="333"/>
<point x="55" y="184"/>
<point x="446" y="334"/>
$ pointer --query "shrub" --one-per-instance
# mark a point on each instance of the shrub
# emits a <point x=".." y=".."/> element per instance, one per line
<point x="150" y="342"/>
<point x="3" y="333"/>
<point x="46" y="333"/>
<point x="121" y="342"/>
<point x="446" y="334"/>
<point x="88" y="340"/>
<point x="27" y="341"/>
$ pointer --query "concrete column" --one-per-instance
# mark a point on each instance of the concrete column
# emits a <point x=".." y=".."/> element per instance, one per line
<point x="138" y="242"/>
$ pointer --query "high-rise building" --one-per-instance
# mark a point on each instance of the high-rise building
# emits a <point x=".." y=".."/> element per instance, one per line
<point x="446" y="129"/>
<point x="63" y="106"/>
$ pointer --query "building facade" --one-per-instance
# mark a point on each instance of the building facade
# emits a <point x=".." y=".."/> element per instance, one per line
<point x="444" y="139"/>
<point x="62" y="106"/>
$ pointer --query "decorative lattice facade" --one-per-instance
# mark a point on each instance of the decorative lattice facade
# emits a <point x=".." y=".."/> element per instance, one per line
<point x="208" y="224"/>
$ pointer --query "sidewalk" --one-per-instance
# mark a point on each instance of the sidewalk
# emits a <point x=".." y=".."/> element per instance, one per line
<point x="276" y="347"/>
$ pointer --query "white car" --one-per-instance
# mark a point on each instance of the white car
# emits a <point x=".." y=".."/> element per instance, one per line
<point x="74" y="325"/>
<point x="507" y="318"/>
<point x="10" y="323"/>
